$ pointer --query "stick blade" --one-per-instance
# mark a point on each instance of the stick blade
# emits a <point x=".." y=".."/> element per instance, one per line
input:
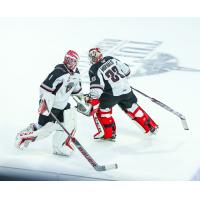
<point x="106" y="167"/>
<point x="184" y="123"/>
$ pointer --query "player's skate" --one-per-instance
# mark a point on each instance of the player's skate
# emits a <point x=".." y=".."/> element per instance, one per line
<point x="101" y="136"/>
<point x="153" y="128"/>
<point x="25" y="136"/>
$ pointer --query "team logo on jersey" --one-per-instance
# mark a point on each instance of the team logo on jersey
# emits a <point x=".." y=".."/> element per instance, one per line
<point x="69" y="87"/>
<point x="93" y="79"/>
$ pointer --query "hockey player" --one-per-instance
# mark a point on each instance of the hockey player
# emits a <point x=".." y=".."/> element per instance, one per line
<point x="55" y="90"/>
<point x="109" y="86"/>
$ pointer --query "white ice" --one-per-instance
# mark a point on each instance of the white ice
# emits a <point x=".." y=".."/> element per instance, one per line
<point x="31" y="47"/>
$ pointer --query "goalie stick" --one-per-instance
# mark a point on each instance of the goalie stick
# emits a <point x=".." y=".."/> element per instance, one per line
<point x="183" y="119"/>
<point x="83" y="151"/>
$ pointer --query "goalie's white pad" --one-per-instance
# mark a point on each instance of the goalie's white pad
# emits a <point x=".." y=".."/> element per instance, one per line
<point x="24" y="137"/>
<point x="62" y="144"/>
<point x="30" y="134"/>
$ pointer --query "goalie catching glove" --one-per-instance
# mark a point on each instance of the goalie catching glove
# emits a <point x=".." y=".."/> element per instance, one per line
<point x="86" y="105"/>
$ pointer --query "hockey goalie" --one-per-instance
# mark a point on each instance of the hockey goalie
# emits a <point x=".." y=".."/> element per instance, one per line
<point x="55" y="91"/>
<point x="108" y="87"/>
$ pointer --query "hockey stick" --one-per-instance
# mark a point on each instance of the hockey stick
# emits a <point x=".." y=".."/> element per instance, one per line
<point x="83" y="151"/>
<point x="183" y="119"/>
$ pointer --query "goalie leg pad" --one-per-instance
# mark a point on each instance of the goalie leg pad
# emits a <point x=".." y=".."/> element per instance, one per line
<point x="62" y="144"/>
<point x="46" y="130"/>
<point x="105" y="124"/>
<point x="31" y="134"/>
<point x="144" y="121"/>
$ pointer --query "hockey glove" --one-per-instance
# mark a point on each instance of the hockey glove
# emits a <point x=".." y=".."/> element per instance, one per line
<point x="42" y="107"/>
<point x="82" y="106"/>
<point x="46" y="103"/>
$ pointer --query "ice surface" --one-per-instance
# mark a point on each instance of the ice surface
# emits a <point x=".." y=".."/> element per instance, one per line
<point x="29" y="50"/>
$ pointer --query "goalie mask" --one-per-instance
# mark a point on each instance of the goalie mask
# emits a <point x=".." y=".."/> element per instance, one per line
<point x="71" y="60"/>
<point x="95" y="55"/>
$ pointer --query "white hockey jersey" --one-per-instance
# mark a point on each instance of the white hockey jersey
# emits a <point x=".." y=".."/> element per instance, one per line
<point x="59" y="85"/>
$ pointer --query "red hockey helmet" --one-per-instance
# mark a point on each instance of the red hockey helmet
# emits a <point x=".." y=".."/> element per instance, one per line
<point x="95" y="55"/>
<point x="71" y="60"/>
